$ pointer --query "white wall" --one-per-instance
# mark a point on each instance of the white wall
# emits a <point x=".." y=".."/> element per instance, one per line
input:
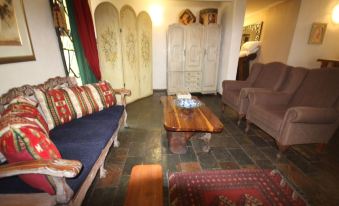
<point x="232" y="24"/>
<point x="171" y="10"/>
<point x="304" y="54"/>
<point x="48" y="61"/>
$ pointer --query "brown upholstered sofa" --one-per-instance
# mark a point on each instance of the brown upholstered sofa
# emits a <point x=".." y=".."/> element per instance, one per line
<point x="308" y="115"/>
<point x="262" y="77"/>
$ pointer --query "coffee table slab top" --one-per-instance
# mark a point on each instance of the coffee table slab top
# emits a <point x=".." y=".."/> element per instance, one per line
<point x="200" y="119"/>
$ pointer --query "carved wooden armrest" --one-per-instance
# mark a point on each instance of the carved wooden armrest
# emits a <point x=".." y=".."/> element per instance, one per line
<point x="55" y="168"/>
<point x="123" y="93"/>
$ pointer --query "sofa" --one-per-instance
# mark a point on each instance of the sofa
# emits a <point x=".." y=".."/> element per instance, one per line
<point x="83" y="144"/>
<point x="262" y="76"/>
<point x="310" y="114"/>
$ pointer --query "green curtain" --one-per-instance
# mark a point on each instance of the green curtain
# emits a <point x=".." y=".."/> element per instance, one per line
<point x="85" y="71"/>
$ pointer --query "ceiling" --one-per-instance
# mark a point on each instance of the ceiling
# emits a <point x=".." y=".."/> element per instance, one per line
<point x="257" y="5"/>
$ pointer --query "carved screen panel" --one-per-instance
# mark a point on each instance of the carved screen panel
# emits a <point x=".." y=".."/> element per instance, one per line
<point x="108" y="42"/>
<point x="144" y="25"/>
<point x="194" y="47"/>
<point x="129" y="41"/>
<point x="175" y="48"/>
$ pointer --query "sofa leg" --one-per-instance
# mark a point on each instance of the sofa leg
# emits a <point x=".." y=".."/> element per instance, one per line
<point x="103" y="171"/>
<point x="222" y="107"/>
<point x="63" y="192"/>
<point x="116" y="143"/>
<point x="282" y="149"/>
<point x="248" y="126"/>
<point x="240" y="117"/>
<point x="125" y="119"/>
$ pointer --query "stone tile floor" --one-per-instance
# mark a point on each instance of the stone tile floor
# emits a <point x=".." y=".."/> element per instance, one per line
<point x="144" y="142"/>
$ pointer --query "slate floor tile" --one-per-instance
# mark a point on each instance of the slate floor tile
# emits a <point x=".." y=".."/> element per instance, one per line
<point x="221" y="154"/>
<point x="130" y="163"/>
<point x="229" y="165"/>
<point x="240" y="156"/>
<point x="170" y="163"/>
<point x="112" y="176"/>
<point x="254" y="152"/>
<point x="207" y="160"/>
<point x="189" y="156"/>
<point x="190" y="166"/>
<point x="102" y="197"/>
<point x="265" y="164"/>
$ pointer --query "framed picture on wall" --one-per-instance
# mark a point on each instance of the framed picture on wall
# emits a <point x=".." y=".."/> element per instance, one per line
<point x="317" y="33"/>
<point x="15" y="40"/>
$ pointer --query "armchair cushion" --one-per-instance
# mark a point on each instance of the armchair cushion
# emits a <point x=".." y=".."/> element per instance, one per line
<point x="22" y="140"/>
<point x="269" y="98"/>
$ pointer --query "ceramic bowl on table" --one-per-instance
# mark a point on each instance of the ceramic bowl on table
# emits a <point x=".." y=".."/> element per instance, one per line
<point x="187" y="105"/>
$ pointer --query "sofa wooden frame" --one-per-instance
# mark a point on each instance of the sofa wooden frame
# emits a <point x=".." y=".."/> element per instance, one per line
<point x="58" y="169"/>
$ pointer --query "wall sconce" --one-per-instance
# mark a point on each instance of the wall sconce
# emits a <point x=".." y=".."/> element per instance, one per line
<point x="157" y="13"/>
<point x="335" y="14"/>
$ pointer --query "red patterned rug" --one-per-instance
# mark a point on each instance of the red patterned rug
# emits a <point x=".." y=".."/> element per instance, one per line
<point x="232" y="187"/>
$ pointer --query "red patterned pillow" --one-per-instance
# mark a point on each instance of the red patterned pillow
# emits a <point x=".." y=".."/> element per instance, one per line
<point x="23" y="140"/>
<point x="57" y="106"/>
<point x="27" y="111"/>
<point x="102" y="92"/>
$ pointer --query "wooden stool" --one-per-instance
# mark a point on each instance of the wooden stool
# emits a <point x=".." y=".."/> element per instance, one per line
<point x="145" y="186"/>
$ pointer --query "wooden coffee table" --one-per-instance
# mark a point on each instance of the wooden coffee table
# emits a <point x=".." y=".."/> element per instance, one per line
<point x="182" y="124"/>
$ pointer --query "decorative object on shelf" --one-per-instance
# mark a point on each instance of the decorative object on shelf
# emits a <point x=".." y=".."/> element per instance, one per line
<point x="188" y="103"/>
<point x="317" y="33"/>
<point x="251" y="32"/>
<point x="15" y="40"/>
<point x="208" y="16"/>
<point x="187" y="17"/>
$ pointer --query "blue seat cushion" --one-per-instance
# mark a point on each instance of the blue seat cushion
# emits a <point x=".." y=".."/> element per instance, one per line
<point x="81" y="139"/>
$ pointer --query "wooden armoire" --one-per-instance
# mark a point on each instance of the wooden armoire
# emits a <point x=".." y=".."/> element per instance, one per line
<point x="192" y="58"/>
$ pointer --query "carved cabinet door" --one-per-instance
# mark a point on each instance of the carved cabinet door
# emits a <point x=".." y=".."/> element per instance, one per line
<point x="211" y="57"/>
<point x="175" y="58"/>
<point x="144" y="25"/>
<point x="129" y="41"/>
<point x="108" y="42"/>
<point x="194" y="47"/>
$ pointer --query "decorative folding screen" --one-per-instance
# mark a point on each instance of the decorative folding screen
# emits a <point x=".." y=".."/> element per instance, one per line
<point x="109" y="44"/>
<point x="144" y="25"/>
<point x="125" y="48"/>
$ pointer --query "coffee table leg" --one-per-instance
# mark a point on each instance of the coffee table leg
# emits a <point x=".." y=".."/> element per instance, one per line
<point x="206" y="137"/>
<point x="177" y="141"/>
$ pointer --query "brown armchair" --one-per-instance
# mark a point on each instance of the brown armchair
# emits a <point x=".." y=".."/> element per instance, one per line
<point x="309" y="115"/>
<point x="262" y="77"/>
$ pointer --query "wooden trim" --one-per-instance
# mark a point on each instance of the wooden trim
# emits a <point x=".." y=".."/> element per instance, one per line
<point x="55" y="168"/>
<point x="123" y="93"/>
<point x="28" y="90"/>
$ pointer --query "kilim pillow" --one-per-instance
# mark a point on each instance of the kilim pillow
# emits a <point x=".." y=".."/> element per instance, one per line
<point x="57" y="106"/>
<point x="23" y="140"/>
<point x="103" y="93"/>
<point x="27" y="111"/>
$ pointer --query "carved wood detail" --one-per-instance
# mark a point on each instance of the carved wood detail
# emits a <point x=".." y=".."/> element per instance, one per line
<point x="28" y="90"/>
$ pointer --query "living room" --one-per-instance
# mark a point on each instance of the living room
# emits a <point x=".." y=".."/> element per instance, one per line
<point x="285" y="35"/>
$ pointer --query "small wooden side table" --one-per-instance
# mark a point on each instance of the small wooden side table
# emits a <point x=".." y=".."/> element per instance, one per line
<point x="145" y="186"/>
